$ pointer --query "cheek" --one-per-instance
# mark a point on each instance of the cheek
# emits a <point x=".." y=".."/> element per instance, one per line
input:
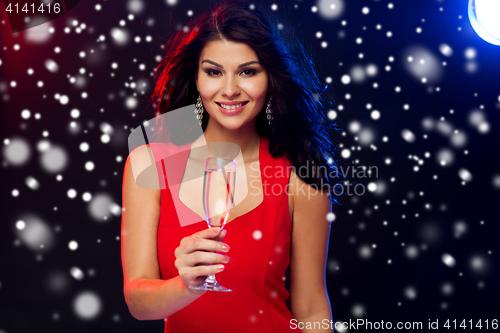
<point x="257" y="91"/>
<point x="204" y="81"/>
<point x="208" y="89"/>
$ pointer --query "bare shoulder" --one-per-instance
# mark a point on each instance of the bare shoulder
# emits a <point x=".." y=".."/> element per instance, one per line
<point x="142" y="167"/>
<point x="307" y="199"/>
<point x="140" y="179"/>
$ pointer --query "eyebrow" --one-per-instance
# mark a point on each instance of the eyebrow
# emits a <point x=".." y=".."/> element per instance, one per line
<point x="239" y="66"/>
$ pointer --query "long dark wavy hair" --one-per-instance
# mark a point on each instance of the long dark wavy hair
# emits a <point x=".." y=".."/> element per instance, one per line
<point x="300" y="128"/>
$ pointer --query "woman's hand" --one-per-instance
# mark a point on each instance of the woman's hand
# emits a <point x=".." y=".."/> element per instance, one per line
<point x="193" y="255"/>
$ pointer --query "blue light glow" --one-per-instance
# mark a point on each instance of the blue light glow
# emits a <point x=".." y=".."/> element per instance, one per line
<point x="484" y="18"/>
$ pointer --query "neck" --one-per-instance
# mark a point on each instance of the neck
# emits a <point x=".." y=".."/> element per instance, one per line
<point x="246" y="137"/>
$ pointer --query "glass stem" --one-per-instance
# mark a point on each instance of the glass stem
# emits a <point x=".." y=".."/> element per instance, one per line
<point x="211" y="277"/>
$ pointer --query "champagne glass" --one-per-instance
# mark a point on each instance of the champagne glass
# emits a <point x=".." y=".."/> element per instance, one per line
<point x="218" y="198"/>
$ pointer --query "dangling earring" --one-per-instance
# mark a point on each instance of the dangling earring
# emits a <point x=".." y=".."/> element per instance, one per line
<point x="270" y="116"/>
<point x="199" y="109"/>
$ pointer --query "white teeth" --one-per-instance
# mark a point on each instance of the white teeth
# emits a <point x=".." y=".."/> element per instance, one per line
<point x="230" y="107"/>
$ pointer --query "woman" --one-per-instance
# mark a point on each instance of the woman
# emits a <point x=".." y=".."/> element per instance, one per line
<point x="235" y="55"/>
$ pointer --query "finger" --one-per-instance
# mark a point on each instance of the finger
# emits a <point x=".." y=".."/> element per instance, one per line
<point x="207" y="270"/>
<point x="210" y="233"/>
<point x="200" y="257"/>
<point x="194" y="273"/>
<point x="206" y="245"/>
<point x="205" y="233"/>
<point x="222" y="235"/>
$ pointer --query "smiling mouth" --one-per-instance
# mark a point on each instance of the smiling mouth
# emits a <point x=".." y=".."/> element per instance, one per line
<point x="219" y="104"/>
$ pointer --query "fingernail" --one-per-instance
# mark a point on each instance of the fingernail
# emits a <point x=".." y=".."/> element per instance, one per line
<point x="220" y="267"/>
<point x="225" y="259"/>
<point x="216" y="230"/>
<point x="225" y="247"/>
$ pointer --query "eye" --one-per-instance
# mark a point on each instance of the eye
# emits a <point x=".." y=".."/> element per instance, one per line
<point x="251" y="71"/>
<point x="211" y="71"/>
<point x="214" y="72"/>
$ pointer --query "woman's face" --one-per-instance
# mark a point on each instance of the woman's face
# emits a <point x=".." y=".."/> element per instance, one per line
<point x="231" y="72"/>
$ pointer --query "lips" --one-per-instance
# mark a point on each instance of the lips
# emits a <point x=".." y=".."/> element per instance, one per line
<point x="231" y="103"/>
<point x="232" y="112"/>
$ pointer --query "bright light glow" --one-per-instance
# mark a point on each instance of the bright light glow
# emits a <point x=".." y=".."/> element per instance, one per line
<point x="483" y="16"/>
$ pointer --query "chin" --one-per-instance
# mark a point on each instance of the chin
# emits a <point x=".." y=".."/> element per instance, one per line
<point x="230" y="124"/>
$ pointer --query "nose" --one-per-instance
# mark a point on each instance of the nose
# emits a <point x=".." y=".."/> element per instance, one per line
<point x="231" y="87"/>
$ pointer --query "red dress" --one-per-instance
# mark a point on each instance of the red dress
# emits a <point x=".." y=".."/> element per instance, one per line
<point x="260" y="248"/>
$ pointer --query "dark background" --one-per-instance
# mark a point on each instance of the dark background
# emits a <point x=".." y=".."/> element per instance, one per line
<point x="391" y="272"/>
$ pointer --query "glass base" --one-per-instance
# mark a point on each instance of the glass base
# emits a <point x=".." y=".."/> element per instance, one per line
<point x="212" y="286"/>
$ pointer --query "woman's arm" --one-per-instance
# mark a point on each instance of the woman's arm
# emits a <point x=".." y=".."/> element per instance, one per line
<point x="148" y="297"/>
<point x="309" y="300"/>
